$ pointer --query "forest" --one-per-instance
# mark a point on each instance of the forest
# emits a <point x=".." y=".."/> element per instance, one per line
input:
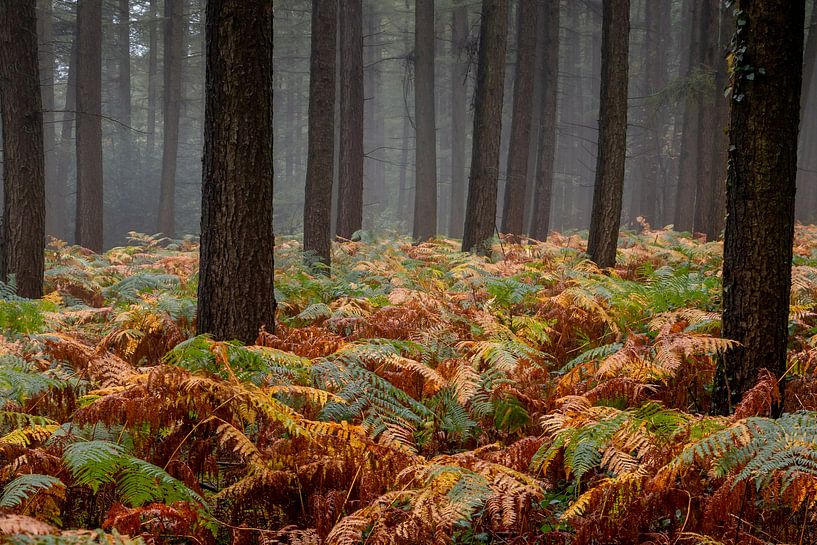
<point x="408" y="272"/>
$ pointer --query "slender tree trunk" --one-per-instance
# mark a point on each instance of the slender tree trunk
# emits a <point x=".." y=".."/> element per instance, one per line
<point x="459" y="78"/>
<point x="513" y="210"/>
<point x="480" y="213"/>
<point x="806" y="204"/>
<point x="318" y="192"/>
<point x="762" y="170"/>
<point x="55" y="210"/>
<point x="66" y="131"/>
<point x="350" y="176"/>
<point x="235" y="296"/>
<point x="174" y="49"/>
<point x="540" y="219"/>
<point x="23" y="159"/>
<point x="403" y="183"/>
<point x="688" y="164"/>
<point x="89" y="125"/>
<point x="606" y="217"/>
<point x="425" y="189"/>
<point x="153" y="62"/>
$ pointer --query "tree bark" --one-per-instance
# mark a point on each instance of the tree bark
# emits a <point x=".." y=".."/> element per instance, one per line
<point x="235" y="296"/>
<point x="66" y="129"/>
<point x="89" y="125"/>
<point x="425" y="189"/>
<point x="459" y="79"/>
<point x="765" y="108"/>
<point x="480" y="213"/>
<point x="54" y="197"/>
<point x="171" y="106"/>
<point x="318" y="191"/>
<point x="350" y="175"/>
<point x="513" y="204"/>
<point x="153" y="62"/>
<point x="606" y="217"/>
<point x="23" y="159"/>
<point x="540" y="219"/>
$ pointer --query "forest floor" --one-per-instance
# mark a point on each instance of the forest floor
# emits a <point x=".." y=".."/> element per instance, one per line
<point x="416" y="395"/>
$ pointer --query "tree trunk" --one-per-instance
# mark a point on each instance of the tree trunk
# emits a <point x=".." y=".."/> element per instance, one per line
<point x="318" y="191"/>
<point x="153" y="62"/>
<point x="23" y="159"/>
<point x="66" y="130"/>
<point x="480" y="213"/>
<point x="540" y="219"/>
<point x="513" y="209"/>
<point x="235" y="296"/>
<point x="765" y="108"/>
<point x="425" y="188"/>
<point x="459" y="79"/>
<point x="806" y="202"/>
<point x="171" y="106"/>
<point x="89" y="125"/>
<point x="54" y="204"/>
<point x="350" y="175"/>
<point x="606" y="217"/>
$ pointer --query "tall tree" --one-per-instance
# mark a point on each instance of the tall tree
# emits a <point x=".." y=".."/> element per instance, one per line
<point x="23" y="235"/>
<point x="480" y="213"/>
<point x="66" y="134"/>
<point x="425" y="190"/>
<point x="153" y="62"/>
<point x="235" y="296"/>
<point x="606" y="216"/>
<point x="174" y="50"/>
<point x="688" y="163"/>
<point x="350" y="175"/>
<point x="89" y="125"/>
<point x="54" y="197"/>
<point x="762" y="168"/>
<point x="459" y="82"/>
<point x="513" y="209"/>
<point x="319" y="166"/>
<point x="549" y="75"/>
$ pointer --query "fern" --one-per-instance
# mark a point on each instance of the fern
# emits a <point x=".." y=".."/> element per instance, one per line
<point x="23" y="487"/>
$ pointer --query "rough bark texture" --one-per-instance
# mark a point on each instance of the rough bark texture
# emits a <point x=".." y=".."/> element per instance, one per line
<point x="540" y="219"/>
<point x="171" y="106"/>
<point x="606" y="217"/>
<point x="350" y="175"/>
<point x="425" y="192"/>
<point x="23" y="160"/>
<point x="235" y="295"/>
<point x="480" y="213"/>
<point x="319" y="166"/>
<point x="89" y="125"/>
<point x="760" y="194"/>
<point x="459" y="79"/>
<point x="513" y="204"/>
<point x="54" y="197"/>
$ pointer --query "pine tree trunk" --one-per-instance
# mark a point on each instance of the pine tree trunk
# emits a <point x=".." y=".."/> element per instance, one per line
<point x="54" y="197"/>
<point x="235" y="295"/>
<point x="480" y="213"/>
<point x="153" y="62"/>
<point x="688" y="163"/>
<point x="425" y="189"/>
<point x="513" y="209"/>
<point x="318" y="192"/>
<point x="23" y="159"/>
<point x="66" y="131"/>
<point x="540" y="219"/>
<point x="606" y="217"/>
<point x="89" y="125"/>
<point x="350" y="175"/>
<point x="761" y="177"/>
<point x="173" y="49"/>
<point x="459" y="82"/>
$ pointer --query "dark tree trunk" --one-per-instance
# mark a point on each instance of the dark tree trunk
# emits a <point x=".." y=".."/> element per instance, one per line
<point x="688" y="163"/>
<point x="23" y="159"/>
<point x="480" y="213"/>
<point x="540" y="219"/>
<point x="319" y="166"/>
<point x="235" y="295"/>
<point x="459" y="83"/>
<point x="173" y="49"/>
<point x="54" y="203"/>
<point x="606" y="217"/>
<point x="761" y="177"/>
<point x="806" y="203"/>
<point x="89" y="125"/>
<point x="513" y="203"/>
<point x="425" y="188"/>
<point x="350" y="175"/>
<point x="153" y="62"/>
